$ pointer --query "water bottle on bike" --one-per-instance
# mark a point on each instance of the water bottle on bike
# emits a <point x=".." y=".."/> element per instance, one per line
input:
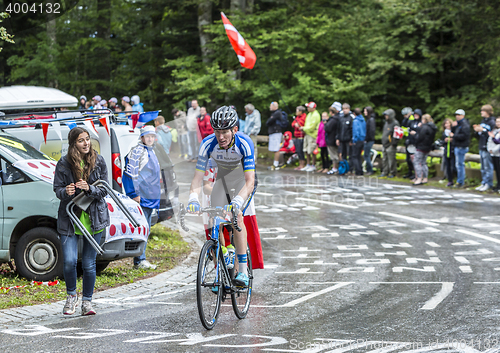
<point x="232" y="254"/>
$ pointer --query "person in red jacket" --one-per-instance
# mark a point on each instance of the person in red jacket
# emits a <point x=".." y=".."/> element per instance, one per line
<point x="204" y="123"/>
<point x="298" y="141"/>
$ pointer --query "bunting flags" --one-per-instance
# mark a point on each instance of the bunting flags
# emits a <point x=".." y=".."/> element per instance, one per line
<point x="105" y="122"/>
<point x="57" y="128"/>
<point x="245" y="54"/>
<point x="70" y="123"/>
<point x="45" y="129"/>
<point x="139" y="120"/>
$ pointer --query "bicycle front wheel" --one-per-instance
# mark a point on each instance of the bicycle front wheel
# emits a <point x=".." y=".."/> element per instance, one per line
<point x="241" y="298"/>
<point x="208" y="286"/>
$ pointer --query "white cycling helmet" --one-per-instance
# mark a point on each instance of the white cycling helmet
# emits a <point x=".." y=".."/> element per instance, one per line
<point x="224" y="118"/>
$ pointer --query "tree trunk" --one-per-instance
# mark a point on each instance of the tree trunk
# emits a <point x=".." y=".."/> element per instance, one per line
<point x="238" y="5"/>
<point x="204" y="19"/>
<point x="249" y="8"/>
<point x="52" y="36"/>
<point x="102" y="70"/>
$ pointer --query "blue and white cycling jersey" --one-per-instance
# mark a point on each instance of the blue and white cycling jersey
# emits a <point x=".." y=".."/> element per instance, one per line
<point x="227" y="160"/>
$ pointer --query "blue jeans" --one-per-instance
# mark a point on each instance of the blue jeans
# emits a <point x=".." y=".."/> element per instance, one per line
<point x="70" y="255"/>
<point x="486" y="168"/>
<point x="193" y="144"/>
<point x="184" y="144"/>
<point x="147" y="213"/>
<point x="367" y="156"/>
<point x="460" y="163"/>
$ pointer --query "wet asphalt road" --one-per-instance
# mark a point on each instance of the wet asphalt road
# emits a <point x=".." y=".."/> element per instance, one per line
<point x="352" y="265"/>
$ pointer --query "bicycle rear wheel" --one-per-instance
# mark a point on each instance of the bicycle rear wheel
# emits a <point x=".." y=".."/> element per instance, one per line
<point x="208" y="278"/>
<point x="241" y="298"/>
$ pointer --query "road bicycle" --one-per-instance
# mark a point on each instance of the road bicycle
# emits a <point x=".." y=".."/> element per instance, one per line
<point x="214" y="281"/>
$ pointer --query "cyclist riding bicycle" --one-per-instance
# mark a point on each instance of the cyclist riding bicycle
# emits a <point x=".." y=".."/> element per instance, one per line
<point x="233" y="154"/>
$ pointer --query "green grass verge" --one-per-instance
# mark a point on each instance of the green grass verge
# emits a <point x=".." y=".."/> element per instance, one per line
<point x="165" y="249"/>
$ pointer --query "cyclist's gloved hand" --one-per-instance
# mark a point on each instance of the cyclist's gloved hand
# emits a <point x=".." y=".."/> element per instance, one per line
<point x="235" y="205"/>
<point x="193" y="204"/>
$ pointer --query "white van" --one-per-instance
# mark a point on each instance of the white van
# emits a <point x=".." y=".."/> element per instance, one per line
<point x="41" y="256"/>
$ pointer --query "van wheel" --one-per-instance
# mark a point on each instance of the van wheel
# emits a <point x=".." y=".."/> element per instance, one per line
<point x="101" y="266"/>
<point x="38" y="254"/>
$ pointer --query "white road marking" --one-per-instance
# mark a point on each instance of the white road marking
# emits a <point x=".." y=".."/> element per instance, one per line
<point x="272" y="230"/>
<point x="432" y="244"/>
<point x="432" y="224"/>
<point x="326" y="202"/>
<point x="318" y="262"/>
<point x="301" y="249"/>
<point x="263" y="193"/>
<point x="462" y="259"/>
<point x="324" y="235"/>
<point x="280" y="237"/>
<point x="426" y="230"/>
<point x="432" y="303"/>
<point x="316" y="294"/>
<point x="465" y="269"/>
<point x="310" y="208"/>
<point x="393" y="231"/>
<point x="300" y="256"/>
<point x="300" y="270"/>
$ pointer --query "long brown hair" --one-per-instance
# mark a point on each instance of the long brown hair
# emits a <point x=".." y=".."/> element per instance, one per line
<point x="444" y="123"/>
<point x="75" y="158"/>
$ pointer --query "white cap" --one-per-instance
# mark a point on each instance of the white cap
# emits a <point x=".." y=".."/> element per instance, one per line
<point x="135" y="99"/>
<point x="460" y="112"/>
<point x="147" y="129"/>
<point x="337" y="106"/>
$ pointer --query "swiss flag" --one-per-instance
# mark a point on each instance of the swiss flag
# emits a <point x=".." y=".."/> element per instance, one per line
<point x="245" y="54"/>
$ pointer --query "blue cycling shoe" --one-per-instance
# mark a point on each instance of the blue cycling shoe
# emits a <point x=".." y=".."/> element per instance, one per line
<point x="241" y="280"/>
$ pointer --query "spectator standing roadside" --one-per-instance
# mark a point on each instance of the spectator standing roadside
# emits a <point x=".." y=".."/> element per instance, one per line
<point x="358" y="140"/>
<point x="344" y="133"/>
<point x="461" y="138"/>
<point x="137" y="105"/>
<point x="298" y="133"/>
<point x="494" y="149"/>
<point x="104" y="104"/>
<point x="141" y="181"/>
<point x="163" y="134"/>
<point x="126" y="104"/>
<point x="370" y="138"/>
<point x="448" y="153"/>
<point x="389" y="145"/>
<point x="331" y="127"/>
<point x="112" y="103"/>
<point x="311" y="133"/>
<point x="75" y="173"/>
<point x="424" y="142"/>
<point x="180" y="125"/>
<point x="408" y="118"/>
<point x="83" y="100"/>
<point x="487" y="125"/>
<point x="410" y="147"/>
<point x="321" y="142"/>
<point x="275" y="133"/>
<point x="192" y="130"/>
<point x="96" y="102"/>
<point x="204" y="125"/>
<point x="252" y="125"/>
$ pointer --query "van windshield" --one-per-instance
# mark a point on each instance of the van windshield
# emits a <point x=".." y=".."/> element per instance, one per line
<point x="18" y="149"/>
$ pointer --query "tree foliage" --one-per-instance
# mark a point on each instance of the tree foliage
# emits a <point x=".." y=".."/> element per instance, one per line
<point x="4" y="35"/>
<point x="436" y="55"/>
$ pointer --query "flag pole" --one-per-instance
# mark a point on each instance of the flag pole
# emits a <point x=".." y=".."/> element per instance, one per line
<point x="277" y="92"/>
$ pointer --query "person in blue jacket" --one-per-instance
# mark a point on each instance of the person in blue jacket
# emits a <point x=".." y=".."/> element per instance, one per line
<point x="358" y="140"/>
<point x="137" y="105"/>
<point x="141" y="180"/>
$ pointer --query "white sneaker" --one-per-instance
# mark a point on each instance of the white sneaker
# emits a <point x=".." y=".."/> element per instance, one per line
<point x="145" y="265"/>
<point x="486" y="187"/>
<point x="480" y="187"/>
<point x="305" y="168"/>
<point x="312" y="169"/>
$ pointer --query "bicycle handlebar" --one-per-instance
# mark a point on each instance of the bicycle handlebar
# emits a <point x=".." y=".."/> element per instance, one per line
<point x="212" y="211"/>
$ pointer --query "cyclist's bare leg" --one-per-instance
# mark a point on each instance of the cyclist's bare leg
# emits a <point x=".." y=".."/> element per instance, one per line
<point x="240" y="238"/>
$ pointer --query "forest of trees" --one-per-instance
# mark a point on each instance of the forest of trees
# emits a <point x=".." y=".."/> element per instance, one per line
<point x="436" y="55"/>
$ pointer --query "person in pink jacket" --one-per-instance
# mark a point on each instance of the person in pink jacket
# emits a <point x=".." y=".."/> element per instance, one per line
<point x="321" y="142"/>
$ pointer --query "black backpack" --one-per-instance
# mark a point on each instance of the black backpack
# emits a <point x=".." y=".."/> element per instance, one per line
<point x="283" y="122"/>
